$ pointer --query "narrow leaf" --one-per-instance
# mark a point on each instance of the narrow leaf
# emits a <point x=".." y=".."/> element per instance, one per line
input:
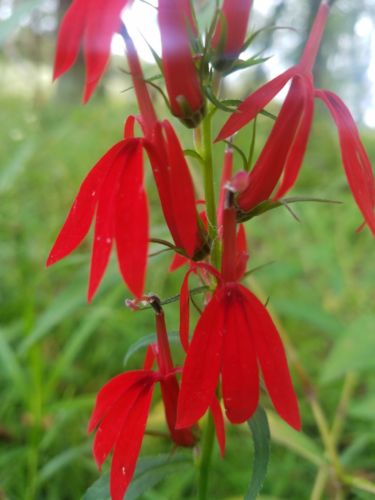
<point x="261" y="438"/>
<point x="150" y="471"/>
<point x="144" y="342"/>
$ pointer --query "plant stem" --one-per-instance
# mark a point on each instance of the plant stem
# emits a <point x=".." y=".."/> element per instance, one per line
<point x="209" y="189"/>
<point x="320" y="483"/>
<point x="205" y="461"/>
<point x="348" y="388"/>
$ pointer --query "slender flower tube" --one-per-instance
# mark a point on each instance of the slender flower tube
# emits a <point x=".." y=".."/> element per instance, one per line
<point x="234" y="335"/>
<point x="92" y="25"/>
<point x="230" y="33"/>
<point x="279" y="163"/>
<point x="181" y="77"/>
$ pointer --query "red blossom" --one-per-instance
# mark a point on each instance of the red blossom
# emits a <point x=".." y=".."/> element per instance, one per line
<point x="181" y="77"/>
<point x="113" y="193"/>
<point x="122" y="407"/>
<point x="234" y="337"/>
<point x="283" y="153"/>
<point x="230" y="33"/>
<point x="170" y="169"/>
<point x="92" y="25"/>
<point x="175" y="187"/>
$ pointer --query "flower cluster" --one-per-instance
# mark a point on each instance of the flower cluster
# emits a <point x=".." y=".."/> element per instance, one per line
<point x="235" y="343"/>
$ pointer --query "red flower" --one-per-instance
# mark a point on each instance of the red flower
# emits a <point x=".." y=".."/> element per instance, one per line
<point x="170" y="169"/>
<point x="114" y="190"/>
<point x="175" y="187"/>
<point x="283" y="153"/>
<point x="234" y="335"/>
<point x="120" y="415"/>
<point x="181" y="77"/>
<point x="122" y="407"/>
<point x="230" y="33"/>
<point x="91" y="24"/>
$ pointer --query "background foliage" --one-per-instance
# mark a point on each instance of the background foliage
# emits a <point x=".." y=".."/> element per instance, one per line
<point x="56" y="351"/>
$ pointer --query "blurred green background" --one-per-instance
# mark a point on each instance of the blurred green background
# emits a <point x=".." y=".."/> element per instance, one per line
<point x="56" y="351"/>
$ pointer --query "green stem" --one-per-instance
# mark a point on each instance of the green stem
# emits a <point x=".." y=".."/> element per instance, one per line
<point x="349" y="386"/>
<point x="209" y="189"/>
<point x="205" y="461"/>
<point x="320" y="483"/>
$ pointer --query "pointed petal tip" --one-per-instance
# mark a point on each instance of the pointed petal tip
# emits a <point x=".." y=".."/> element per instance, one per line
<point x="90" y="295"/>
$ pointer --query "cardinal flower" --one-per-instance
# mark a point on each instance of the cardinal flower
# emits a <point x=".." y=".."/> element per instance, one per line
<point x="283" y="153"/>
<point x="234" y="337"/>
<point x="120" y="415"/>
<point x="122" y="407"/>
<point x="170" y="169"/>
<point x="113" y="193"/>
<point x="230" y="33"/>
<point x="91" y="25"/>
<point x="176" y="189"/>
<point x="181" y="77"/>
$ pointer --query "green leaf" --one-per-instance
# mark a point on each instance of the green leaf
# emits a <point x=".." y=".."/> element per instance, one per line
<point x="14" y="168"/>
<point x="298" y="442"/>
<point x="194" y="154"/>
<point x="310" y="313"/>
<point x="145" y="342"/>
<point x="10" y="365"/>
<point x="364" y="409"/>
<point x="241" y="64"/>
<point x="267" y="205"/>
<point x="60" y="461"/>
<point x="261" y="438"/>
<point x="81" y="336"/>
<point x="63" y="306"/>
<point x="149" y="472"/>
<point x="353" y="351"/>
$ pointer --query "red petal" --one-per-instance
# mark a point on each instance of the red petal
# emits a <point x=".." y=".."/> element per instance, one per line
<point x="80" y="216"/>
<point x="159" y="162"/>
<point x="131" y="222"/>
<point x="129" y="127"/>
<point x="182" y="192"/>
<point x="177" y="262"/>
<point x="128" y="445"/>
<point x="354" y="157"/>
<point x="102" y="23"/>
<point x="240" y="380"/>
<point x="185" y="311"/>
<point x="235" y="19"/>
<point x="228" y="264"/>
<point x="202" y="366"/>
<point x="170" y="391"/>
<point x="225" y="177"/>
<point x="242" y="254"/>
<point x="148" y="117"/>
<point x="218" y="418"/>
<point x="256" y="101"/>
<point x="269" y="166"/>
<point x="298" y="147"/>
<point x="69" y="37"/>
<point x="271" y="355"/>
<point x="180" y="74"/>
<point x="110" y="427"/>
<point x="150" y="357"/>
<point x="111" y="392"/>
<point x="105" y="223"/>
